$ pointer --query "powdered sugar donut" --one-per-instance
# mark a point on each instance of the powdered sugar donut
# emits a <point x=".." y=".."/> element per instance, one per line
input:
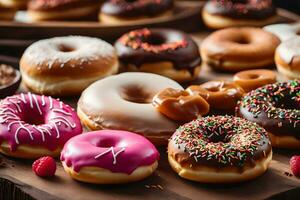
<point x="109" y="157"/>
<point x="32" y="126"/>
<point x="66" y="65"/>
<point x="284" y="31"/>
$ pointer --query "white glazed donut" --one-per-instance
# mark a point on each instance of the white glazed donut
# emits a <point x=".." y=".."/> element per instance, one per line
<point x="67" y="65"/>
<point x="123" y="102"/>
<point x="287" y="58"/>
<point x="284" y="31"/>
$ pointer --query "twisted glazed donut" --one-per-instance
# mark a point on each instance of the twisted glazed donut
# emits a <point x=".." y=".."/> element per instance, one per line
<point x="276" y="108"/>
<point x="32" y="126"/>
<point x="220" y="149"/>
<point x="218" y="14"/>
<point x="109" y="157"/>
<point x="137" y="11"/>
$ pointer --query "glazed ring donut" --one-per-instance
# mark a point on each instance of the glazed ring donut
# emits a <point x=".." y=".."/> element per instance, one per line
<point x="126" y="105"/>
<point x="218" y="14"/>
<point x="7" y="13"/>
<point x="116" y="12"/>
<point x="221" y="95"/>
<point x="220" y="149"/>
<point x="109" y="157"/>
<point x="66" y="65"/>
<point x="237" y="49"/>
<point x="33" y="126"/>
<point x="57" y="10"/>
<point x="287" y="58"/>
<point x="276" y="108"/>
<point x="284" y="31"/>
<point x="167" y="52"/>
<point x="252" y="79"/>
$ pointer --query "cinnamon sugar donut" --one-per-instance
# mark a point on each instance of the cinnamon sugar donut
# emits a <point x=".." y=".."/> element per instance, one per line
<point x="116" y="12"/>
<point x="287" y="58"/>
<point x="66" y="65"/>
<point x="252" y="79"/>
<point x="237" y="49"/>
<point x="54" y="10"/>
<point x="218" y="14"/>
<point x="125" y="104"/>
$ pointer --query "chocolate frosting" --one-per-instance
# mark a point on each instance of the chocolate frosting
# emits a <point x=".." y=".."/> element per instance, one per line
<point x="245" y="9"/>
<point x="51" y="5"/>
<point x="157" y="46"/>
<point x="135" y="8"/>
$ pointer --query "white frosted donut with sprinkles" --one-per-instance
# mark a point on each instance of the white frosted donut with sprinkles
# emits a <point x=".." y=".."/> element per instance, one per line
<point x="32" y="126"/>
<point x="67" y="65"/>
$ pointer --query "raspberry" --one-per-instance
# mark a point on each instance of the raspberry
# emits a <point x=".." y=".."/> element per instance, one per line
<point x="295" y="165"/>
<point x="44" y="166"/>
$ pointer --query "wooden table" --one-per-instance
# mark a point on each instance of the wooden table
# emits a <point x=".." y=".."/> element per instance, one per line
<point x="18" y="182"/>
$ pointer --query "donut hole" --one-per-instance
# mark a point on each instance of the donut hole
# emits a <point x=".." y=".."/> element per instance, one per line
<point x="131" y="1"/>
<point x="287" y="103"/>
<point x="155" y="39"/>
<point x="65" y="48"/>
<point x="136" y="94"/>
<point x="106" y="143"/>
<point x="253" y="76"/>
<point x="33" y="118"/>
<point x="213" y="89"/>
<point x="242" y="40"/>
<point x="217" y="138"/>
<point x="241" y="1"/>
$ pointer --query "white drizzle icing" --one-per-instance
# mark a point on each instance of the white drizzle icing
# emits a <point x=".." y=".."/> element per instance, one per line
<point x="114" y="154"/>
<point x="8" y="115"/>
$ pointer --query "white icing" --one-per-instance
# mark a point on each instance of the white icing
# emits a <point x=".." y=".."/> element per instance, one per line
<point x="284" y="31"/>
<point x="114" y="154"/>
<point x="289" y="49"/>
<point x="85" y="49"/>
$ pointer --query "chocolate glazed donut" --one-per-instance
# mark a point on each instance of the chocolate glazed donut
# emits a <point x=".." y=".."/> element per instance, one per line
<point x="135" y="8"/>
<point x="164" y="51"/>
<point x="276" y="108"/>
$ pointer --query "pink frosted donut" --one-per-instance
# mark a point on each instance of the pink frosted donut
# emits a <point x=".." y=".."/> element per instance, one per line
<point x="109" y="157"/>
<point x="32" y="126"/>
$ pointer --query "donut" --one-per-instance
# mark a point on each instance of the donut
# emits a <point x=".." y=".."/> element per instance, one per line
<point x="218" y="14"/>
<point x="221" y="95"/>
<point x="109" y="157"/>
<point x="167" y="52"/>
<point x="66" y="65"/>
<point x="126" y="105"/>
<point x="60" y="10"/>
<point x="32" y="126"/>
<point x="116" y="12"/>
<point x="276" y="108"/>
<point x="287" y="58"/>
<point x="220" y="149"/>
<point x="179" y="105"/>
<point x="7" y="13"/>
<point x="284" y="31"/>
<point x="10" y="80"/>
<point x="237" y="49"/>
<point x="252" y="79"/>
<point x="15" y="4"/>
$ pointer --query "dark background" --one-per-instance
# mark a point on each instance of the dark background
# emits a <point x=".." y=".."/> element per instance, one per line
<point x="292" y="5"/>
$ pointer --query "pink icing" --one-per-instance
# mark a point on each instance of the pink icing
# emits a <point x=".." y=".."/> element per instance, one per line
<point x="37" y="120"/>
<point x="117" y="151"/>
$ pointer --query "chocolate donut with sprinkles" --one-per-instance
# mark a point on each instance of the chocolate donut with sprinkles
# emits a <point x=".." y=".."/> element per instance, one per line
<point x="32" y="126"/>
<point x="276" y="108"/>
<point x="220" y="149"/>
<point x="167" y="52"/>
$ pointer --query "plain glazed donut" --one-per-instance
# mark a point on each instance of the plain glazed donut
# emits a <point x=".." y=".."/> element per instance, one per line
<point x="220" y="149"/>
<point x="252" y="79"/>
<point x="59" y="10"/>
<point x="287" y="58"/>
<point x="284" y="31"/>
<point x="276" y="108"/>
<point x="218" y="14"/>
<point x="116" y="12"/>
<point x="33" y="126"/>
<point x="66" y="65"/>
<point x="109" y="157"/>
<point x="237" y="49"/>
<point x="167" y="52"/>
<point x="7" y="13"/>
<point x="221" y="95"/>
<point x="126" y="105"/>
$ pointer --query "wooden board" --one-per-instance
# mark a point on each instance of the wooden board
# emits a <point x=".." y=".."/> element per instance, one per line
<point x="18" y="182"/>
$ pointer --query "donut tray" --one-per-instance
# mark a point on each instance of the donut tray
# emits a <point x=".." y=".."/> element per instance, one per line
<point x="18" y="182"/>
